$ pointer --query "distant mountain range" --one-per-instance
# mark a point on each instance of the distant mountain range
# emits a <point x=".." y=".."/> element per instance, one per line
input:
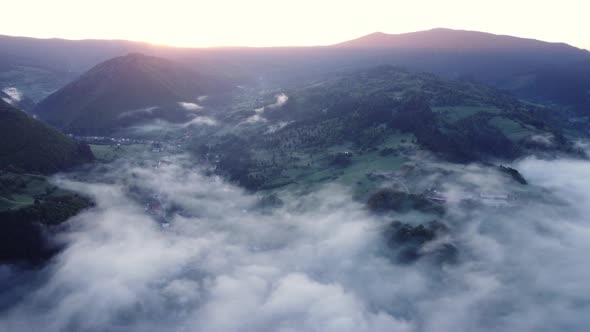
<point x="554" y="73"/>
<point x="551" y="73"/>
<point x="127" y="87"/>
<point x="448" y="39"/>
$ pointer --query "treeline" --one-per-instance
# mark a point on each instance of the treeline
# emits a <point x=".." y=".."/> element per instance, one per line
<point x="23" y="236"/>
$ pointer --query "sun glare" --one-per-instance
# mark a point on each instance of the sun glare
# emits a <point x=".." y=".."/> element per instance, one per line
<point x="284" y="23"/>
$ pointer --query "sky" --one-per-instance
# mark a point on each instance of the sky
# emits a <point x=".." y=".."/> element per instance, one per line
<point x="289" y="23"/>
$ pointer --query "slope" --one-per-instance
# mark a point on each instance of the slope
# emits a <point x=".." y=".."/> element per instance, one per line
<point x="28" y="145"/>
<point x="382" y="118"/>
<point x="97" y="100"/>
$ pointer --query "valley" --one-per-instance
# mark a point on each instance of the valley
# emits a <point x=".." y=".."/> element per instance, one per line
<point x="430" y="181"/>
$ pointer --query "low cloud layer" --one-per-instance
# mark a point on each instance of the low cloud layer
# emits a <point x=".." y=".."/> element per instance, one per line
<point x="281" y="99"/>
<point x="13" y="93"/>
<point x="215" y="262"/>
<point x="255" y="119"/>
<point x="201" y="120"/>
<point x="276" y="127"/>
<point x="190" y="106"/>
<point x="166" y="126"/>
<point x="140" y="111"/>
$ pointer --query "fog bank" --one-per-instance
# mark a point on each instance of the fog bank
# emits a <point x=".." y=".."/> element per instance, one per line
<point x="170" y="249"/>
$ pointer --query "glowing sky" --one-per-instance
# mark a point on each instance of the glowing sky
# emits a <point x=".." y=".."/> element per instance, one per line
<point x="282" y="23"/>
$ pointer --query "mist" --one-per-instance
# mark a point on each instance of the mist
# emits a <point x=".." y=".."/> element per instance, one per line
<point x="141" y="111"/>
<point x="190" y="106"/>
<point x="14" y="94"/>
<point x="281" y="99"/>
<point x="212" y="259"/>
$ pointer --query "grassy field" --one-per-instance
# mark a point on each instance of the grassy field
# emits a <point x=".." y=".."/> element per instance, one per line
<point x="6" y="204"/>
<point x="20" y="190"/>
<point x="108" y="153"/>
<point x="307" y="173"/>
<point x="512" y="129"/>
<point x="458" y="113"/>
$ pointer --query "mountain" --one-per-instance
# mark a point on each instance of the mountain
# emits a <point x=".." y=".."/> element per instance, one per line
<point x="39" y="67"/>
<point x="378" y="118"/>
<point x="28" y="145"/>
<point x="529" y="69"/>
<point x="100" y="99"/>
<point x="29" y="150"/>
<point x="456" y="40"/>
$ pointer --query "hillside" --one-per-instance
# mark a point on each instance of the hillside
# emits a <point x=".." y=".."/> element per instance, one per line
<point x="29" y="149"/>
<point x="28" y="145"/>
<point x="39" y="67"/>
<point x="99" y="99"/>
<point x="529" y="68"/>
<point x="378" y="119"/>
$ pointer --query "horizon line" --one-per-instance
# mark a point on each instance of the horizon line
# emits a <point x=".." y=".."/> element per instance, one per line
<point x="157" y="44"/>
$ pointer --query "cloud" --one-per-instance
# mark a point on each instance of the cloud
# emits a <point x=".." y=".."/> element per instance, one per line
<point x="163" y="126"/>
<point x="255" y="119"/>
<point x="201" y="120"/>
<point x="543" y="139"/>
<point x="319" y="263"/>
<point x="140" y="111"/>
<point x="281" y="99"/>
<point x="276" y="127"/>
<point x="190" y="106"/>
<point x="13" y="93"/>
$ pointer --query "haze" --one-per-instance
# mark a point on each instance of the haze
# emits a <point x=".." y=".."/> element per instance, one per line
<point x="417" y="166"/>
<point x="289" y="23"/>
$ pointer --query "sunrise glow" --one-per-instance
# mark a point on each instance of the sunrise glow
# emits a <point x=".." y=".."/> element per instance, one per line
<point x="289" y="23"/>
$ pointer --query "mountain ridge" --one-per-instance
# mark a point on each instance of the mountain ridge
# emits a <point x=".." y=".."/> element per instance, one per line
<point x="528" y="68"/>
<point x="133" y="44"/>
<point x="135" y="81"/>
<point x="444" y="35"/>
